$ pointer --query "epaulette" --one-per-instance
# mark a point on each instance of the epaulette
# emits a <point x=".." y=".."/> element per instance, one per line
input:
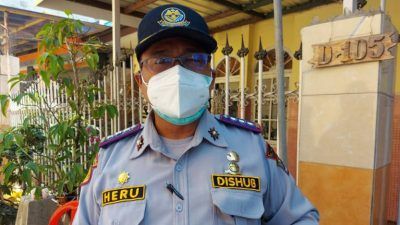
<point x="120" y="135"/>
<point x="271" y="154"/>
<point x="90" y="172"/>
<point x="241" y="123"/>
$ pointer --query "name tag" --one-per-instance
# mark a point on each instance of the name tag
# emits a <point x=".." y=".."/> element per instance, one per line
<point x="236" y="182"/>
<point x="124" y="194"/>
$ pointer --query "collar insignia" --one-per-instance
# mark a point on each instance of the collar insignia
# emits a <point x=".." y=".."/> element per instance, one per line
<point x="123" y="177"/>
<point x="139" y="143"/>
<point x="173" y="17"/>
<point x="214" y="133"/>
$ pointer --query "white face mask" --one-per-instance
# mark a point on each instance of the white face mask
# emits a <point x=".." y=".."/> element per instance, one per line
<point x="179" y="94"/>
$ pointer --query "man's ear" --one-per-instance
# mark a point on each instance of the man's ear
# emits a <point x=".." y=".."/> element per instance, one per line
<point x="138" y="78"/>
<point x="213" y="74"/>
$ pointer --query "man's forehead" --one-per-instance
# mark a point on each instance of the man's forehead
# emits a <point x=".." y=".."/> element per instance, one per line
<point x="171" y="45"/>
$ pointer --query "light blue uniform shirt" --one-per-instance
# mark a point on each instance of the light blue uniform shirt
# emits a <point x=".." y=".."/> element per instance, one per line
<point x="149" y="165"/>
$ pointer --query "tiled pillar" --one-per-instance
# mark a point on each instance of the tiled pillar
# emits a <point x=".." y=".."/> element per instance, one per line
<point x="345" y="126"/>
<point x="394" y="177"/>
<point x="292" y="123"/>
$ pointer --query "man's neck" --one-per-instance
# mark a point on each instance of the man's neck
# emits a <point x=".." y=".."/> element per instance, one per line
<point x="172" y="131"/>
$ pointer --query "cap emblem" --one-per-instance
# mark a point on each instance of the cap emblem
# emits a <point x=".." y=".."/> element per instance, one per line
<point x="173" y="17"/>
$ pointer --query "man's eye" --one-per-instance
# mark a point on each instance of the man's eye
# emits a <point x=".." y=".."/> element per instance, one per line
<point x="190" y="60"/>
<point x="199" y="58"/>
<point x="162" y="60"/>
<point x="194" y="59"/>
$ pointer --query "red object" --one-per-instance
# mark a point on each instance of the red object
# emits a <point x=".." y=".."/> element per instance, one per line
<point x="69" y="208"/>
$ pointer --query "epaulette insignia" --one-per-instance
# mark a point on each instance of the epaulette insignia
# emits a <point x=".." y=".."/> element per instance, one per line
<point x="120" y="135"/>
<point x="240" y="123"/>
<point x="271" y="154"/>
<point x="88" y="177"/>
<point x="90" y="172"/>
<point x="96" y="161"/>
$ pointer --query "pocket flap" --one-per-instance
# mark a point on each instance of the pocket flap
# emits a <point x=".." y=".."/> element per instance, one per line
<point x="124" y="213"/>
<point x="238" y="203"/>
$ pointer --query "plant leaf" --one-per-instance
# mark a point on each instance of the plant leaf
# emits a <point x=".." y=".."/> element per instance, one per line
<point x="8" y="170"/>
<point x="68" y="12"/>
<point x="19" y="139"/>
<point x="112" y="110"/>
<point x="33" y="167"/>
<point x="4" y="104"/>
<point x="26" y="177"/>
<point x="45" y="77"/>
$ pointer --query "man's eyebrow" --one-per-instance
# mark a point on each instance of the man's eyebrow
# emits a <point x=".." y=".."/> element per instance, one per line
<point x="163" y="52"/>
<point x="193" y="49"/>
<point x="159" y="52"/>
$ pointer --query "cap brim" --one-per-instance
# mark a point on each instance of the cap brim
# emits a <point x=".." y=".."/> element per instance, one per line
<point x="206" y="41"/>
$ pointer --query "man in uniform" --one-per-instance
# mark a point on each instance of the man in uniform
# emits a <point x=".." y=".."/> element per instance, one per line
<point x="185" y="166"/>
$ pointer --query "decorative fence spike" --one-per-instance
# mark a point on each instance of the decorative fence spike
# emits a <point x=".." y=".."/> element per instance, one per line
<point x="242" y="53"/>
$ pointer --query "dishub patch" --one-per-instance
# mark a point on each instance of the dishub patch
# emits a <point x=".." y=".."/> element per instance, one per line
<point x="236" y="182"/>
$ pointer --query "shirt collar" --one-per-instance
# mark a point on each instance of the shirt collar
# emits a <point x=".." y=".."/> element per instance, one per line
<point x="150" y="138"/>
<point x="204" y="130"/>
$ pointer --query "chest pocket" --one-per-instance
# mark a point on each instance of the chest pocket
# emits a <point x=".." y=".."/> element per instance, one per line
<point x="237" y="207"/>
<point x="123" y="213"/>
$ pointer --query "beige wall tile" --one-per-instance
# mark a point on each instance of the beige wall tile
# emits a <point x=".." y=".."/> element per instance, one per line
<point x="341" y="194"/>
<point x="355" y="78"/>
<point x="338" y="129"/>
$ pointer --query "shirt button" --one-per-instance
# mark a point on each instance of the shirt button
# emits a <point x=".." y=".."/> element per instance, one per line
<point x="179" y="207"/>
<point x="178" y="167"/>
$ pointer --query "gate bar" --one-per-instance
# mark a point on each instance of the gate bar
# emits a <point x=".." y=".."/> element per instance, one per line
<point x="226" y="51"/>
<point x="124" y="98"/>
<point x="260" y="55"/>
<point x="282" y="144"/>
<point x="349" y="6"/>
<point x="242" y="52"/>
<point x="227" y="84"/>
<point x="383" y="6"/>
<point x="132" y="89"/>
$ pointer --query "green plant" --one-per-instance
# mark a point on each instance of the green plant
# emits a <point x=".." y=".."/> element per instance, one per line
<point x="18" y="147"/>
<point x="58" y="151"/>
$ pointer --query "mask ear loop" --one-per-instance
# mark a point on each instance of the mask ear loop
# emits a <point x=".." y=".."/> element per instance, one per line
<point x="212" y="94"/>
<point x="147" y="85"/>
<point x="144" y="82"/>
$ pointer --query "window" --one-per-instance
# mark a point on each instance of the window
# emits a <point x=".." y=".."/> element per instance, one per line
<point x="218" y="101"/>
<point x="234" y="67"/>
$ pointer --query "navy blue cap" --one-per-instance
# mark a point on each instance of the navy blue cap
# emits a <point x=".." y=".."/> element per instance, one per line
<point x="173" y="20"/>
